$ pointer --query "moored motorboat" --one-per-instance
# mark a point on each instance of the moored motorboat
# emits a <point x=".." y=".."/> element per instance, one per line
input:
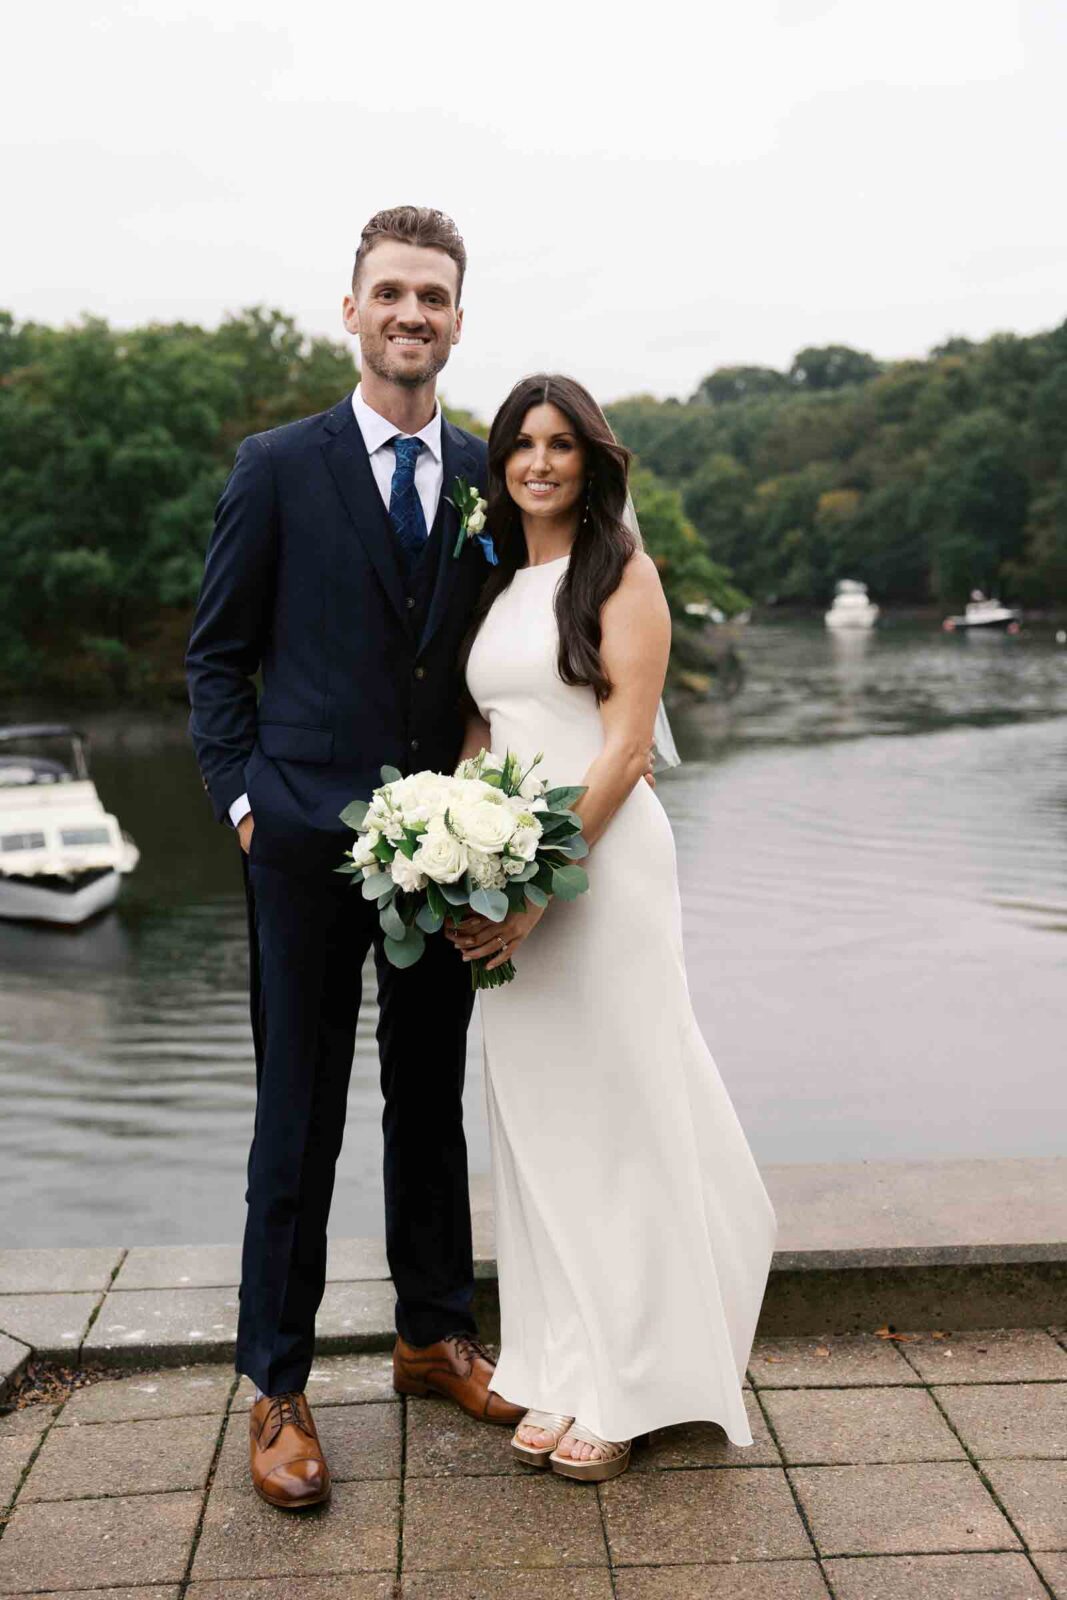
<point x="852" y="607"/>
<point x="62" y="856"/>
<point x="981" y="612"/>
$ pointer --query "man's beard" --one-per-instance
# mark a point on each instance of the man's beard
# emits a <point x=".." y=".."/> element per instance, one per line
<point x="375" y="360"/>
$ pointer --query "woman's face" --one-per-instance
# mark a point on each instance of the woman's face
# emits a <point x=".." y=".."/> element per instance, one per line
<point x="545" y="472"/>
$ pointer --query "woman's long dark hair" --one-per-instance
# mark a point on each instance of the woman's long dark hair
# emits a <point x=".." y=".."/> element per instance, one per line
<point x="602" y="545"/>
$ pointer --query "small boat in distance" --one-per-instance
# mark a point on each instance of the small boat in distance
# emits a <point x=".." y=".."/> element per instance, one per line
<point x="62" y="856"/>
<point x="852" y="606"/>
<point x="983" y="613"/>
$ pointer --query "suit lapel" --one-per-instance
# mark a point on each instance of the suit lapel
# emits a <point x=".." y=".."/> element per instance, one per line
<point x="349" y="466"/>
<point x="458" y="462"/>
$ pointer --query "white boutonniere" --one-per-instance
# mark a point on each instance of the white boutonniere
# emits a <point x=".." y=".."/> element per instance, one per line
<point x="471" y="508"/>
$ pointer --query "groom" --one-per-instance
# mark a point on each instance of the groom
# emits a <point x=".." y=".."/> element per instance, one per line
<point x="331" y="572"/>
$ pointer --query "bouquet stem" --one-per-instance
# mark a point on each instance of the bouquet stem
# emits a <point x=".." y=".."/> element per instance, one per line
<point x="482" y="978"/>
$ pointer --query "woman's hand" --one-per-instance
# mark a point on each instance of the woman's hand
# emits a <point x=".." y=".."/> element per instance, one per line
<point x="477" y="937"/>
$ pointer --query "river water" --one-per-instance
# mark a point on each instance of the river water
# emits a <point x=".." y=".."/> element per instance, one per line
<point x="872" y="844"/>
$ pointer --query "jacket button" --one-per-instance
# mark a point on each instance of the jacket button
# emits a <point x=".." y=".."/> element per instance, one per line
<point x="414" y="744"/>
<point x="410" y="602"/>
<point x="420" y="672"/>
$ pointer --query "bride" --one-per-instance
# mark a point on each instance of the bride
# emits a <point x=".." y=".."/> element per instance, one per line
<point x="634" y="1233"/>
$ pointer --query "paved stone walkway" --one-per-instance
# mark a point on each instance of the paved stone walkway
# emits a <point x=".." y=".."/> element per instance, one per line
<point x="933" y="1467"/>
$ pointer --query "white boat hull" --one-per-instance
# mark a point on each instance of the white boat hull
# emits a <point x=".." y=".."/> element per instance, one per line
<point x="861" y="619"/>
<point x="30" y="902"/>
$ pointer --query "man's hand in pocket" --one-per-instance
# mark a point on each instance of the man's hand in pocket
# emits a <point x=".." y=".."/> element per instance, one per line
<point x="244" y="831"/>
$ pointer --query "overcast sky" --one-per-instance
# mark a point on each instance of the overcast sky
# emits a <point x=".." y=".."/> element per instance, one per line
<point x="646" y="192"/>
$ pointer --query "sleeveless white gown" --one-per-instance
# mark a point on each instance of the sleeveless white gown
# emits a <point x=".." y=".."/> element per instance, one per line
<point x="634" y="1233"/>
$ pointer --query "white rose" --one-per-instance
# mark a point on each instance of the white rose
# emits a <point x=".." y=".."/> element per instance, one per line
<point x="423" y="796"/>
<point x="487" y="872"/>
<point x="476" y="520"/>
<point x="512" y="866"/>
<point x="440" y="855"/>
<point x="485" y="824"/>
<point x="526" y="838"/>
<point x="406" y="874"/>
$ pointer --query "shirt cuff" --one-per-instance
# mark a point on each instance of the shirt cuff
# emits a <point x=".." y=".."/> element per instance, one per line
<point x="241" y="808"/>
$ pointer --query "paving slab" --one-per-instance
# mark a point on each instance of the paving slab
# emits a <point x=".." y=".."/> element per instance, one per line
<point x="835" y="1359"/>
<point x="902" y="1509"/>
<point x="1034" y="1494"/>
<point x="820" y="1426"/>
<point x="163" y="1325"/>
<point x="981" y="1576"/>
<point x="356" y="1261"/>
<point x="550" y="1583"/>
<point x="748" y="1580"/>
<point x="467" y="1524"/>
<point x="987" y="1355"/>
<point x="181" y="1266"/>
<point x="1052" y="1565"/>
<point x="53" y="1325"/>
<point x="1009" y="1419"/>
<point x="705" y="1444"/>
<point x="58" y="1271"/>
<point x="96" y="1543"/>
<point x="170" y="1392"/>
<point x="444" y="1443"/>
<point x="123" y="1458"/>
<point x="16" y="1450"/>
<point x="30" y="1419"/>
<point x="143" y="1593"/>
<point x="340" y="1380"/>
<point x="356" y="1531"/>
<point x="360" y="1442"/>
<point x="356" y="1316"/>
<point x="353" y="1586"/>
<point x="700" y="1518"/>
<point x="13" y="1357"/>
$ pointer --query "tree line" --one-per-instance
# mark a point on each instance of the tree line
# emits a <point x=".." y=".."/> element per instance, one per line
<point x="114" y="447"/>
<point x="925" y="478"/>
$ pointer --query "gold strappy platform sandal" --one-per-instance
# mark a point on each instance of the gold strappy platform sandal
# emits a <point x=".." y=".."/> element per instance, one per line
<point x="615" y="1460"/>
<point x="553" y="1422"/>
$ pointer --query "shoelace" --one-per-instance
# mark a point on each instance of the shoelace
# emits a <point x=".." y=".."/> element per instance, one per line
<point x="285" y="1409"/>
<point x="469" y="1346"/>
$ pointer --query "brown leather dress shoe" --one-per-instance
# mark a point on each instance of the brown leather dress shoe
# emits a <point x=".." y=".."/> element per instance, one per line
<point x="459" y="1368"/>
<point x="288" y="1467"/>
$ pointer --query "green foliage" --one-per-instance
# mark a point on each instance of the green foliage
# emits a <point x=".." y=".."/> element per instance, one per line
<point x="114" y="446"/>
<point x="925" y="478"/>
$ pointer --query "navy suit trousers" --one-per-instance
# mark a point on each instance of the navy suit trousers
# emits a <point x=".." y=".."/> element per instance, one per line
<point x="309" y="938"/>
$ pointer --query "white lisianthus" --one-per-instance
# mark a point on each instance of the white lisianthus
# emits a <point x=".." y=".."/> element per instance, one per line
<point x="476" y="520"/>
<point x="440" y="855"/>
<point x="486" y="824"/>
<point x="532" y="788"/>
<point x="363" y="851"/>
<point x="406" y="874"/>
<point x="487" y="872"/>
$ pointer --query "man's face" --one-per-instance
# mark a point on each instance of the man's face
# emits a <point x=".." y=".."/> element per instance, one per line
<point x="404" y="312"/>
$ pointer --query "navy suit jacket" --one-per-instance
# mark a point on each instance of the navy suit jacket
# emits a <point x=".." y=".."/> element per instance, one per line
<point x="303" y="583"/>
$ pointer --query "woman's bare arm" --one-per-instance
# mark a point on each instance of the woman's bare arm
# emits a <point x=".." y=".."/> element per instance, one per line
<point x="635" y="643"/>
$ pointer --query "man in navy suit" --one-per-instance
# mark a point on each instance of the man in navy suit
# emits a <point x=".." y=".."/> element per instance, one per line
<point x="331" y="572"/>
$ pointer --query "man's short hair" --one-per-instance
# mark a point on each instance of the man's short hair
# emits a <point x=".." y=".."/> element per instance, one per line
<point x="419" y="225"/>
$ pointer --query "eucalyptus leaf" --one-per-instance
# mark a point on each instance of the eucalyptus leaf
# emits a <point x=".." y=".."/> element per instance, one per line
<point x="404" y="952"/>
<point x="429" y="920"/>
<point x="490" y="903"/>
<point x="536" y="896"/>
<point x="392" y="923"/>
<point x="349" y="868"/>
<point x="376" y="884"/>
<point x="574" y="848"/>
<point x="455" y="893"/>
<point x="391" y="775"/>
<point x="569" y="882"/>
<point x="355" y="814"/>
<point x="562" y="799"/>
<point x="436" y="900"/>
<point x="530" y="870"/>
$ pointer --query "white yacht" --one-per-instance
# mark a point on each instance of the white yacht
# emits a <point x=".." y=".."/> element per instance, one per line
<point x="62" y="856"/>
<point x="852" y="607"/>
<point x="981" y="612"/>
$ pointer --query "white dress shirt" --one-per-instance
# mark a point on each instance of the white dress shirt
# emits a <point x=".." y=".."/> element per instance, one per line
<point x="378" y="435"/>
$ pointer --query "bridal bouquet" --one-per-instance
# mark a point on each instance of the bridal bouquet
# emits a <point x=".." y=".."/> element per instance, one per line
<point x="491" y="838"/>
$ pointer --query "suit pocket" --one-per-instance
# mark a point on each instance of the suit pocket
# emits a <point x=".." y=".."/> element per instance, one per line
<point x="286" y="741"/>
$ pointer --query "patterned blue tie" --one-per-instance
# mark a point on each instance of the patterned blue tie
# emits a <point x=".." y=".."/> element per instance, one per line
<point x="405" y="507"/>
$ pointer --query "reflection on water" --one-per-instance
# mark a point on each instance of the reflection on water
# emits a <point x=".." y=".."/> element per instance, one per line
<point x="872" y="845"/>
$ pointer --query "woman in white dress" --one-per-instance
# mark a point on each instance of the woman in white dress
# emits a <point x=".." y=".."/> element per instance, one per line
<point x="634" y="1233"/>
